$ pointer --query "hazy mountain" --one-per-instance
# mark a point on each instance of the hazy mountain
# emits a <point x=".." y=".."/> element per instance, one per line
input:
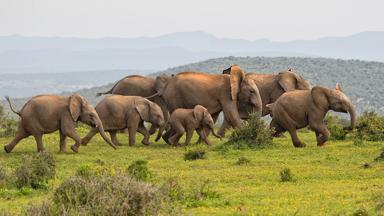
<point x="24" y="85"/>
<point x="21" y="54"/>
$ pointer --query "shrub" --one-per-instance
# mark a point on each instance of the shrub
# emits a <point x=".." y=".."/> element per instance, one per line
<point x="194" y="154"/>
<point x="108" y="195"/>
<point x="242" y="161"/>
<point x="335" y="127"/>
<point x="370" y="126"/>
<point x="44" y="209"/>
<point x="35" y="171"/>
<point x="380" y="157"/>
<point x="286" y="175"/>
<point x="361" y="212"/>
<point x="139" y="170"/>
<point x="253" y="133"/>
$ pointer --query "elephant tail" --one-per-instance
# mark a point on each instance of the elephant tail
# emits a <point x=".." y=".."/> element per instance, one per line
<point x="103" y="93"/>
<point x="270" y="107"/>
<point x="154" y="95"/>
<point x="11" y="107"/>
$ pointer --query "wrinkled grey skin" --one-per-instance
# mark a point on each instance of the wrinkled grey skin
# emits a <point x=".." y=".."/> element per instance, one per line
<point x="45" y="114"/>
<point x="189" y="120"/>
<point x="216" y="92"/>
<point x="118" y="112"/>
<point x="300" y="108"/>
<point x="271" y="87"/>
<point x="143" y="86"/>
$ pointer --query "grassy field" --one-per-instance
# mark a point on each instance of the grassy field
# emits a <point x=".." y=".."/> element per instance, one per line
<point x="329" y="180"/>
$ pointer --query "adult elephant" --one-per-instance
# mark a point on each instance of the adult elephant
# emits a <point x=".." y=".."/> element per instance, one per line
<point x="216" y="92"/>
<point x="271" y="87"/>
<point x="144" y="86"/>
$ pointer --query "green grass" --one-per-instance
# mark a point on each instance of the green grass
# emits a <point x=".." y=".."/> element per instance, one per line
<point x="329" y="180"/>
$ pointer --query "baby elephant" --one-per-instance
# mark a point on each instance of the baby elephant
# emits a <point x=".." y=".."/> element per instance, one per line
<point x="189" y="120"/>
<point x="300" y="108"/>
<point x="45" y="114"/>
<point x="118" y="112"/>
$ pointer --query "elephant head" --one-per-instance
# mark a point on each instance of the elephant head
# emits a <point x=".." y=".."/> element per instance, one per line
<point x="245" y="91"/>
<point x="290" y="80"/>
<point x="82" y="110"/>
<point x="160" y="83"/>
<point x="150" y="112"/>
<point x="204" y="119"/>
<point x="335" y="100"/>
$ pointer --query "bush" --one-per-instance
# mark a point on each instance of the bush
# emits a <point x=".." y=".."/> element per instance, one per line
<point x="108" y="195"/>
<point x="3" y="176"/>
<point x="35" y="171"/>
<point x="361" y="212"/>
<point x="8" y="126"/>
<point x="139" y="170"/>
<point x="335" y="127"/>
<point x="242" y="161"/>
<point x="253" y="133"/>
<point x="370" y="126"/>
<point x="286" y="175"/>
<point x="44" y="209"/>
<point x="194" y="154"/>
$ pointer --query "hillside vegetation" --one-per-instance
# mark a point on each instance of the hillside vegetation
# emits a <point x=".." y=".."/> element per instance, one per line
<point x="361" y="80"/>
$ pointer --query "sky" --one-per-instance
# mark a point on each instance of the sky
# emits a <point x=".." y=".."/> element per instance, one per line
<point x="277" y="20"/>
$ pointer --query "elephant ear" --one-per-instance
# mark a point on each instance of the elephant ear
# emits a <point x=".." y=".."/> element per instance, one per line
<point x="142" y="107"/>
<point x="288" y="80"/>
<point x="198" y="112"/>
<point x="320" y="96"/>
<point x="236" y="77"/>
<point x="76" y="102"/>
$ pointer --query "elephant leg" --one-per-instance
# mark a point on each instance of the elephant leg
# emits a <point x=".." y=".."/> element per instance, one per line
<point x="231" y="114"/>
<point x="39" y="141"/>
<point x="188" y="137"/>
<point x="174" y="140"/>
<point x="152" y="130"/>
<point x="132" y="128"/>
<point x="295" y="139"/>
<point x="203" y="136"/>
<point x="63" y="143"/>
<point x="166" y="136"/>
<point x="223" y="128"/>
<point x="322" y="134"/>
<point x="114" y="138"/>
<point x="21" y="134"/>
<point x="145" y="133"/>
<point x="73" y="135"/>
<point x="277" y="129"/>
<point x="89" y="136"/>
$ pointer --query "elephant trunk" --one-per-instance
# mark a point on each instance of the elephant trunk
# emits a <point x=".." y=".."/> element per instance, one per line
<point x="100" y="127"/>
<point x="213" y="132"/>
<point x="352" y="113"/>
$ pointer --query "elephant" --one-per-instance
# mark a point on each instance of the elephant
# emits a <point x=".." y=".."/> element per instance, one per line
<point x="271" y="87"/>
<point x="119" y="112"/>
<point x="216" y="92"/>
<point x="45" y="114"/>
<point x="136" y="85"/>
<point x="300" y="108"/>
<point x="188" y="120"/>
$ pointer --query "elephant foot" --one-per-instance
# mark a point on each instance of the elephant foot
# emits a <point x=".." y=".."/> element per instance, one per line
<point x="6" y="149"/>
<point x="83" y="143"/>
<point x="321" y="144"/>
<point x="145" y="142"/>
<point x="279" y="135"/>
<point x="299" y="145"/>
<point x="221" y="133"/>
<point x="74" y="148"/>
<point x="62" y="152"/>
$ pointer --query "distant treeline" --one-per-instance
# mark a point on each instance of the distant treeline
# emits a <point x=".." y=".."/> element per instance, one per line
<point x="361" y="80"/>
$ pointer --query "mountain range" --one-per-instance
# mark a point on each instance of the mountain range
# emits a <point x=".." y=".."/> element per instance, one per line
<point x="32" y="54"/>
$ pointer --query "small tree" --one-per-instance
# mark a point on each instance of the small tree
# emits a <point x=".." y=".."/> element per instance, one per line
<point x="253" y="133"/>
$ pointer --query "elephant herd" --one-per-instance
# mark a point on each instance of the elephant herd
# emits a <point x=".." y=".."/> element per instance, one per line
<point x="185" y="102"/>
